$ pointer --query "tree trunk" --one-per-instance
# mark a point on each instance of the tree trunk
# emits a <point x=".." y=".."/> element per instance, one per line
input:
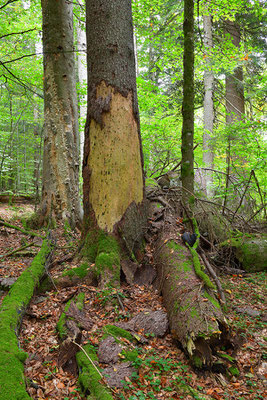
<point x="195" y="316"/>
<point x="60" y="191"/>
<point x="187" y="165"/>
<point x="82" y="77"/>
<point x="208" y="108"/>
<point x="112" y="165"/>
<point x="235" y="111"/>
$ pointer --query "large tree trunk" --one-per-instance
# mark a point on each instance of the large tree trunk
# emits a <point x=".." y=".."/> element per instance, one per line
<point x="60" y="191"/>
<point x="112" y="165"/>
<point x="208" y="108"/>
<point x="187" y="165"/>
<point x="195" y="316"/>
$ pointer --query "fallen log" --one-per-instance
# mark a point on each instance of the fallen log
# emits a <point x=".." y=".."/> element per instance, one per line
<point x="195" y="315"/>
<point x="30" y="233"/>
<point x="12" y="384"/>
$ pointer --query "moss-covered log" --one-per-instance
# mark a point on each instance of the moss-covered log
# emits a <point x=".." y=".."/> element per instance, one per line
<point x="250" y="250"/>
<point x="195" y="316"/>
<point x="12" y="384"/>
<point x="30" y="233"/>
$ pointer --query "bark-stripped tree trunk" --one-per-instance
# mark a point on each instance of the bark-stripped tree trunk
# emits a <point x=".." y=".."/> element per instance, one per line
<point x="112" y="165"/>
<point x="187" y="165"/>
<point x="208" y="108"/>
<point x="60" y="190"/>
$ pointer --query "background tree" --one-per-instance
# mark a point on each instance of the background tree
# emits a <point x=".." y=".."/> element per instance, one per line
<point x="208" y="107"/>
<point x="60" y="190"/>
<point x="187" y="165"/>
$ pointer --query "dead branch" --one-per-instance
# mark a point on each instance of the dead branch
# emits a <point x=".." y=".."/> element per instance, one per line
<point x="30" y="233"/>
<point x="214" y="276"/>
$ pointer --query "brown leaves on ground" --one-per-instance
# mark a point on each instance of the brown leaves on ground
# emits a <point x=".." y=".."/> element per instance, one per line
<point x="162" y="365"/>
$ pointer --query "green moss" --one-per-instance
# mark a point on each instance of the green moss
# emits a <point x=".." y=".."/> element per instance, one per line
<point x="197" y="361"/>
<point x="186" y="266"/>
<point x="12" y="383"/>
<point x="89" y="377"/>
<point x="116" y="332"/>
<point x="79" y="302"/>
<point x="108" y="256"/>
<point x="89" y="249"/>
<point x="194" y="313"/>
<point x="80" y="271"/>
<point x="212" y="300"/>
<point x="227" y="357"/>
<point x="234" y="371"/>
<point x="174" y="246"/>
<point x="62" y="331"/>
<point x="198" y="269"/>
<point x="130" y="355"/>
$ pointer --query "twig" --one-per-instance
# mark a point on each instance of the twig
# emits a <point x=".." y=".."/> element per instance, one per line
<point x="259" y="190"/>
<point x="257" y="212"/>
<point x="92" y="362"/>
<point x="214" y="276"/>
<point x="243" y="195"/>
<point x="17" y="250"/>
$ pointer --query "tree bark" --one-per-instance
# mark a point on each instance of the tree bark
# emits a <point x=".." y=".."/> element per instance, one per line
<point x="195" y="316"/>
<point x="187" y="165"/>
<point x="82" y="77"/>
<point x="60" y="190"/>
<point x="208" y="108"/>
<point x="235" y="111"/>
<point x="113" y="188"/>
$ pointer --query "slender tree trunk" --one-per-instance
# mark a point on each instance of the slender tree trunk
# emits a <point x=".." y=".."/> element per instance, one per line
<point x="82" y="78"/>
<point x="187" y="165"/>
<point x="235" y="111"/>
<point x="60" y="190"/>
<point x="208" y="108"/>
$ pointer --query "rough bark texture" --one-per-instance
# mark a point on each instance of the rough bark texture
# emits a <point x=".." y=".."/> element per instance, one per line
<point x="208" y="108"/>
<point x="112" y="167"/>
<point x="195" y="317"/>
<point x="187" y="165"/>
<point x="60" y="191"/>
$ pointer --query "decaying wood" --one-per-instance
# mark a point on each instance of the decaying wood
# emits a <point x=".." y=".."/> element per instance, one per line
<point x="30" y="233"/>
<point x="214" y="276"/>
<point x="74" y="321"/>
<point x="195" y="316"/>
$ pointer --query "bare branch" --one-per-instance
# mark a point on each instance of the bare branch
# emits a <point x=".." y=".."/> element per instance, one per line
<point x="17" y="33"/>
<point x="7" y="3"/>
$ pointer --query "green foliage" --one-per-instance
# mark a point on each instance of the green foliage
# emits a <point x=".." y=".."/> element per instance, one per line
<point x="21" y="104"/>
<point x="159" y="43"/>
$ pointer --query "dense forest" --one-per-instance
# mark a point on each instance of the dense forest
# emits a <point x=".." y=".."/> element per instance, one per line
<point x="133" y="237"/>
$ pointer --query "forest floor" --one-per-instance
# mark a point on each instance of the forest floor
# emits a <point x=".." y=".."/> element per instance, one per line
<point x="162" y="364"/>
